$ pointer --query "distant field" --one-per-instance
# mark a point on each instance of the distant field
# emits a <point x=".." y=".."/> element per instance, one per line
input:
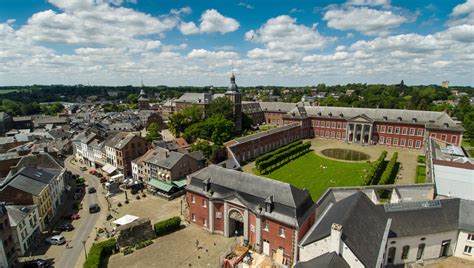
<point x="5" y="91"/>
<point x="308" y="172"/>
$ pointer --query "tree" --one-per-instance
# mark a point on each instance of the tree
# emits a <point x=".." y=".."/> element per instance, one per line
<point x="153" y="132"/>
<point x="180" y="121"/>
<point x="219" y="129"/>
<point x="221" y="105"/>
<point x="132" y="98"/>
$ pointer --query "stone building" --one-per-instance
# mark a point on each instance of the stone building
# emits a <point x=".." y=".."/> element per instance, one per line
<point x="143" y="101"/>
<point x="124" y="147"/>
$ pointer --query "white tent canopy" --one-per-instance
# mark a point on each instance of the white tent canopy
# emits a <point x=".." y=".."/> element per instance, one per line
<point x="109" y="168"/>
<point x="117" y="177"/>
<point x="125" y="220"/>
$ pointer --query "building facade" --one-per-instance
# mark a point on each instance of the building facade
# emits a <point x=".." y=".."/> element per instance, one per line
<point x="8" y="254"/>
<point x="24" y="221"/>
<point x="270" y="215"/>
<point x="123" y="148"/>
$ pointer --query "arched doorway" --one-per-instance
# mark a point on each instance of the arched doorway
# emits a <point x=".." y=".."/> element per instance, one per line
<point x="236" y="223"/>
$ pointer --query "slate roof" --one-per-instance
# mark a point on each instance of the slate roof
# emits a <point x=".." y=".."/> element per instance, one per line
<point x="363" y="226"/>
<point x="291" y="205"/>
<point x="25" y="184"/>
<point x="170" y="161"/>
<point x="266" y="133"/>
<point x="195" y="97"/>
<point x="428" y="118"/>
<point x="120" y="140"/>
<point x="466" y="215"/>
<point x="424" y="220"/>
<point x="327" y="260"/>
<point x="17" y="213"/>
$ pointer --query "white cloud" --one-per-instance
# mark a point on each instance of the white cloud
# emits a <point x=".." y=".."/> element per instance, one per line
<point x="462" y="14"/>
<point x="296" y="10"/>
<point x="188" y="28"/>
<point x="365" y="20"/>
<point x="282" y="33"/>
<point x="369" y="2"/>
<point x="211" y="22"/>
<point x="465" y="8"/>
<point x="248" y="6"/>
<point x="90" y="23"/>
<point x="340" y="55"/>
<point x="182" y="11"/>
<point x="206" y="54"/>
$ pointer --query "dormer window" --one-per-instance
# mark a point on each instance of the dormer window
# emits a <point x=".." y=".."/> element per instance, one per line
<point x="399" y="118"/>
<point x="341" y="115"/>
<point x="330" y="114"/>
<point x="206" y="185"/>
<point x="385" y="118"/>
<point x="414" y="120"/>
<point x="269" y="204"/>
<point x="446" y="125"/>
<point x="319" y="113"/>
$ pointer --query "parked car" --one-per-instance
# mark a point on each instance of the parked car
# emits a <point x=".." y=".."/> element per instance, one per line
<point x="93" y="172"/>
<point x="65" y="227"/>
<point x="103" y="180"/>
<point x="98" y="175"/>
<point x="94" y="208"/>
<point x="38" y="263"/>
<point x="71" y="216"/>
<point x="92" y="190"/>
<point x="56" y="240"/>
<point x="83" y="168"/>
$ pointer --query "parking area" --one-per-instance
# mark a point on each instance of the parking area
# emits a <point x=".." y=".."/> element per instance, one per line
<point x="150" y="206"/>
<point x="178" y="250"/>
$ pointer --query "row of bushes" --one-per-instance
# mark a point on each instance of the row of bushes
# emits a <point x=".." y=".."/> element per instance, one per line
<point x="275" y="152"/>
<point x="167" y="226"/>
<point x="283" y="157"/>
<point x="376" y="169"/>
<point x="99" y="252"/>
<point x="130" y="249"/>
<point x="388" y="176"/>
<point x="421" y="159"/>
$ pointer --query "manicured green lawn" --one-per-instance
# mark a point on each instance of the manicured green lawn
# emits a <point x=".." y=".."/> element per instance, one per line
<point x="306" y="172"/>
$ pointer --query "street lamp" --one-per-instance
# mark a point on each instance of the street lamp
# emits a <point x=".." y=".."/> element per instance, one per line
<point x="84" y="245"/>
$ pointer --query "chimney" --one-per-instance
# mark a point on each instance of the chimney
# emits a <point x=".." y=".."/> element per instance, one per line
<point x="335" y="243"/>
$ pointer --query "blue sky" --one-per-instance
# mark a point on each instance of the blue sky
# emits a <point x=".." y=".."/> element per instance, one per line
<point x="294" y="43"/>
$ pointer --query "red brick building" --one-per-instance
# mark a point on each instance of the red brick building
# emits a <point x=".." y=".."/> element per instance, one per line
<point x="269" y="214"/>
<point x="391" y="127"/>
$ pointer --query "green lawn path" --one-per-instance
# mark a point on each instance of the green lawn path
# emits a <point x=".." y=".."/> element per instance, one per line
<point x="306" y="172"/>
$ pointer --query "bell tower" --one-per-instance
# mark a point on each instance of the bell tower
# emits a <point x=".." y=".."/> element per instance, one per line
<point x="234" y="95"/>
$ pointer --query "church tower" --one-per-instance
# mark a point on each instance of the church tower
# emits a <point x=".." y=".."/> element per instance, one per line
<point x="234" y="95"/>
<point x="143" y="102"/>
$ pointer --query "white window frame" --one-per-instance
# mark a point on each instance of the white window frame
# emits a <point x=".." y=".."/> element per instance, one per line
<point x="412" y="131"/>
<point x="265" y="226"/>
<point x="397" y="130"/>
<point x="382" y="129"/>
<point x="204" y="203"/>
<point x="418" y="144"/>
<point x="193" y="199"/>
<point x="281" y="232"/>
<point x="382" y="140"/>
<point x="390" y="130"/>
<point x="467" y="250"/>
<point x="419" y="132"/>
<point x="395" y="141"/>
<point x="193" y="217"/>
<point x="410" y="143"/>
<point x="470" y="237"/>
<point x="404" y="131"/>
<point x="388" y="141"/>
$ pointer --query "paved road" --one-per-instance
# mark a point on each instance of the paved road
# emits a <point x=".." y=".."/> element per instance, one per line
<point x="86" y="231"/>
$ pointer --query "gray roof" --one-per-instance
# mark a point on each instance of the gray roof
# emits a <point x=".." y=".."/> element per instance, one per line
<point x="120" y="140"/>
<point x="283" y="107"/>
<point x="195" y="97"/>
<point x="291" y="205"/>
<point x="466" y="215"/>
<point x="17" y="213"/>
<point x="267" y="133"/>
<point x="327" y="260"/>
<point x="170" y="161"/>
<point x="197" y="155"/>
<point x="25" y="184"/>
<point x="420" y="220"/>
<point x="363" y="227"/>
<point x="428" y="118"/>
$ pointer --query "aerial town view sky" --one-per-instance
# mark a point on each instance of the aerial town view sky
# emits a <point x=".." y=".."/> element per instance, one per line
<point x="293" y="43"/>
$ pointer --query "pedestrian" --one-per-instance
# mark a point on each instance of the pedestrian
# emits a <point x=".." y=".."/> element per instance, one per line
<point x="197" y="244"/>
<point x="67" y="244"/>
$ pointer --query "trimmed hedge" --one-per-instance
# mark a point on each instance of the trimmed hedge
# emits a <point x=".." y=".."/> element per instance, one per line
<point x="421" y="159"/>
<point x="275" y="152"/>
<point x="388" y="176"/>
<point x="98" y="252"/>
<point x="376" y="169"/>
<point x="420" y="174"/>
<point x="283" y="157"/>
<point x="167" y="226"/>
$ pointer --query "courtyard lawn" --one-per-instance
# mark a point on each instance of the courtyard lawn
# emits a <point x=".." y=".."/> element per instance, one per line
<point x="306" y="172"/>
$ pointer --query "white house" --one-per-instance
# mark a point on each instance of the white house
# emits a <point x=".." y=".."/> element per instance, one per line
<point x="25" y="224"/>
